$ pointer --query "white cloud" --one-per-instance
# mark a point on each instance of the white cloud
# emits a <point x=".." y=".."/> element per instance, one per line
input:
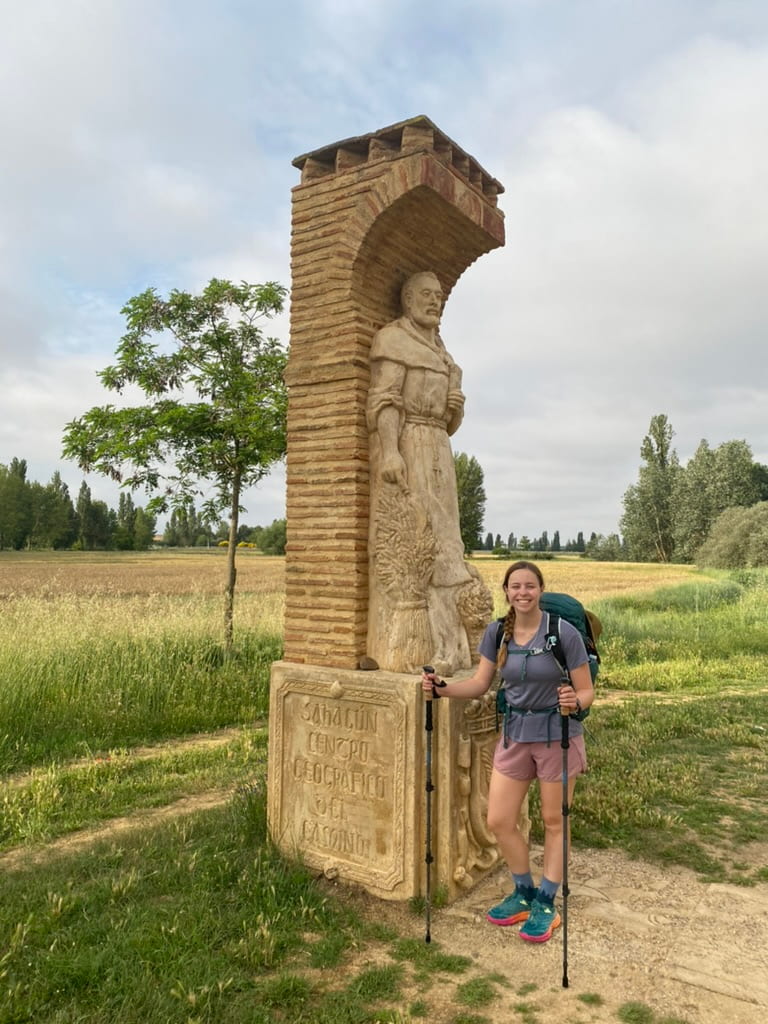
<point x="632" y="283"/>
<point x="142" y="148"/>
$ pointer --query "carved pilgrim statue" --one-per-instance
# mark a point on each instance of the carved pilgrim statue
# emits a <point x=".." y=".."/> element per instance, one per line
<point x="427" y="606"/>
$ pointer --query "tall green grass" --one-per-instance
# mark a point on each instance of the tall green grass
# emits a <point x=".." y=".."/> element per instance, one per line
<point x="202" y="920"/>
<point x="74" y="681"/>
<point x="678" y="782"/>
<point x="696" y="637"/>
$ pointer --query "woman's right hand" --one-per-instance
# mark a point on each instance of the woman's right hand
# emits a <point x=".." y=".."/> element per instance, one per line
<point x="428" y="680"/>
<point x="430" y="683"/>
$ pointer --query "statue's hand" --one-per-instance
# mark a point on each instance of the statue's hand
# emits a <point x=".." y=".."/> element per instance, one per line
<point x="456" y="401"/>
<point x="393" y="471"/>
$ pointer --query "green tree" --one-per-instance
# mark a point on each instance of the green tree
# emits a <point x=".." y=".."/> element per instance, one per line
<point x="215" y="404"/>
<point x="254" y="535"/>
<point x="272" y="538"/>
<point x="60" y="520"/>
<point x="185" y="528"/>
<point x="244" y="533"/>
<point x="735" y="481"/>
<point x="15" y="505"/>
<point x="556" y="541"/>
<point x="471" y="493"/>
<point x="712" y="481"/>
<point x="52" y="519"/>
<point x="126" y="519"/>
<point x="143" y="530"/>
<point x="576" y="545"/>
<point x="87" y="528"/>
<point x="96" y="522"/>
<point x="647" y="522"/>
<point x="738" y="539"/>
<point x="604" y="549"/>
<point x="760" y="474"/>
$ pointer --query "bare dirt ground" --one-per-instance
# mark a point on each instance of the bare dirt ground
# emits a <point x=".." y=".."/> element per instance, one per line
<point x="691" y="951"/>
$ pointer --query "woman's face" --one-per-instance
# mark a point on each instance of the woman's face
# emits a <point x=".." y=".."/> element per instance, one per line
<point x="523" y="590"/>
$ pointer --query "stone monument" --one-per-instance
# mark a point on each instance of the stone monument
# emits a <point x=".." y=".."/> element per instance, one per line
<point x="426" y="604"/>
<point x="376" y="584"/>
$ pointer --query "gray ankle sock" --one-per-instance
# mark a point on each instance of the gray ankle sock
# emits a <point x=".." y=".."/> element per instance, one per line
<point x="548" y="889"/>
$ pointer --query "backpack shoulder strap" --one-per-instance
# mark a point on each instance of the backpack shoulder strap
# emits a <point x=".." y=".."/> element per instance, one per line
<point x="554" y="644"/>
<point x="500" y="631"/>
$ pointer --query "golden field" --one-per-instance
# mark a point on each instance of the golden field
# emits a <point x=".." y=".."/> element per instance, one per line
<point x="587" y="580"/>
<point x="63" y="596"/>
<point x="118" y="573"/>
<point x="127" y="574"/>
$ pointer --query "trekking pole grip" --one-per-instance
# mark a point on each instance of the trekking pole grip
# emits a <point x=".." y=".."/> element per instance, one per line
<point x="428" y="697"/>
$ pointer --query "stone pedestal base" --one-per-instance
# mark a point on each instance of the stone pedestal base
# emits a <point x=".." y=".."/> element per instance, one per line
<point x="347" y="780"/>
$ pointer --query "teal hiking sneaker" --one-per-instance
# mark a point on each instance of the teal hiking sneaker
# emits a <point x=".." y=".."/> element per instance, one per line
<point x="541" y="922"/>
<point x="515" y="908"/>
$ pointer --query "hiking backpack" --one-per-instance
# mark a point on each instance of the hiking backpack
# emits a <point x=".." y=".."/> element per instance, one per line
<point x="557" y="607"/>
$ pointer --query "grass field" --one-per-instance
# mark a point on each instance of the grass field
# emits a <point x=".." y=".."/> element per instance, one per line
<point x="115" y="701"/>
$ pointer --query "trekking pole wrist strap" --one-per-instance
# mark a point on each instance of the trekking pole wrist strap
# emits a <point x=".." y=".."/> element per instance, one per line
<point x="438" y="684"/>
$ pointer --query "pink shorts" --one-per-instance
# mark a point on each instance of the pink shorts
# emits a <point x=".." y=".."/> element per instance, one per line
<point x="527" y="761"/>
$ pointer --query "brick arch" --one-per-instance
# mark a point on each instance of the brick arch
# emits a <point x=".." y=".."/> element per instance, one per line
<point x="418" y="231"/>
<point x="368" y="213"/>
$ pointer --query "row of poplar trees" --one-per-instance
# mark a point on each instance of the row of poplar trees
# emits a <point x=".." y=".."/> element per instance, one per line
<point x="672" y="509"/>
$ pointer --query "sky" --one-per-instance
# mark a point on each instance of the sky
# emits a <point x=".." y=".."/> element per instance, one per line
<point x="149" y="143"/>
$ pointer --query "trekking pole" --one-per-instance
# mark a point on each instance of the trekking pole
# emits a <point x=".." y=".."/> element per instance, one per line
<point x="429" y="788"/>
<point x="565" y="743"/>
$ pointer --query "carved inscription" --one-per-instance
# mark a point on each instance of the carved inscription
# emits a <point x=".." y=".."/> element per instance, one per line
<point x="340" y="766"/>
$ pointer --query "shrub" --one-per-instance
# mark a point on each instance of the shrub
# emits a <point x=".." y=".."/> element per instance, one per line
<point x="738" y="539"/>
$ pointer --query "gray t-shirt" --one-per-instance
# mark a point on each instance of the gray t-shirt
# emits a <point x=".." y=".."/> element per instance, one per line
<point x="531" y="681"/>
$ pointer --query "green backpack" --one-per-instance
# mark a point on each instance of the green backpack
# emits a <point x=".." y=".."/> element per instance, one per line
<point x="557" y="607"/>
<point x="563" y="606"/>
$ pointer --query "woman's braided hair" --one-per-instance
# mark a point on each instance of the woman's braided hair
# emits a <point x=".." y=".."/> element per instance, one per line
<point x="509" y="621"/>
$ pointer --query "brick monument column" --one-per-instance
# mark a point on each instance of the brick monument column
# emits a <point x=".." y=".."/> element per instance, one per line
<point x="346" y="745"/>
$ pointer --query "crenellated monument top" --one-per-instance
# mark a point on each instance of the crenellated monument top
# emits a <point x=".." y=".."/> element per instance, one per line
<point x="417" y="134"/>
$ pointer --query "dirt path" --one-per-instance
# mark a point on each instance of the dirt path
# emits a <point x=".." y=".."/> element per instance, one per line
<point x="204" y="740"/>
<point x="636" y="933"/>
<point x="20" y="857"/>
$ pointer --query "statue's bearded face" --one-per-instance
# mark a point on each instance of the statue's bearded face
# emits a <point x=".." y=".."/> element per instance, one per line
<point x="423" y="300"/>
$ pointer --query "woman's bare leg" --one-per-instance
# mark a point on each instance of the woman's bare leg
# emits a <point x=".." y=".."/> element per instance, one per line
<point x="505" y="803"/>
